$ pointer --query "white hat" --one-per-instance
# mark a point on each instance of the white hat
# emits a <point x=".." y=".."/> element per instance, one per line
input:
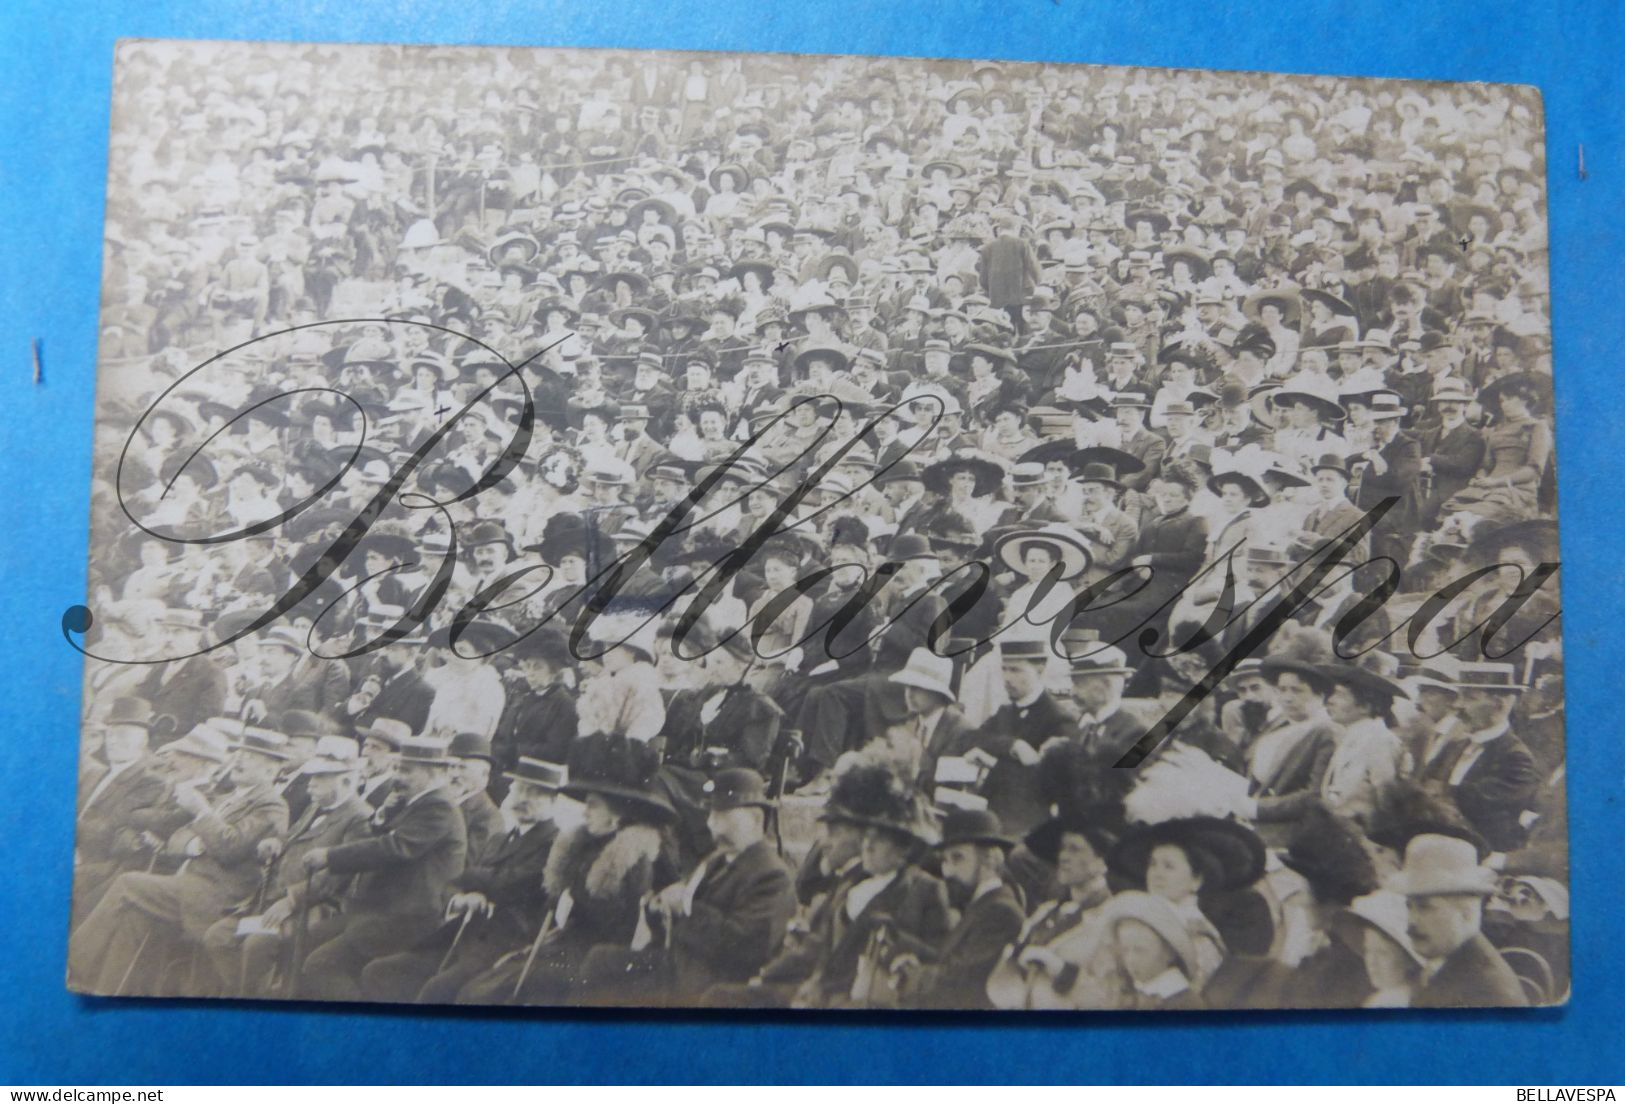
<point x="925" y="670"/>
<point x="1436" y="865"/>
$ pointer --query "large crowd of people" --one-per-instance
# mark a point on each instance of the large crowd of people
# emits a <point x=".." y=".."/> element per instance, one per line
<point x="581" y="527"/>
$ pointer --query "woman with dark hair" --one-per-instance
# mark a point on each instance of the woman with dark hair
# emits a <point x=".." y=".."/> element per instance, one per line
<point x="1517" y="449"/>
<point x="1368" y="755"/>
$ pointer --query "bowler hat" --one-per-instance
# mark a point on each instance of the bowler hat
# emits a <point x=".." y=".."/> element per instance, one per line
<point x="977" y="826"/>
<point x="736" y="788"/>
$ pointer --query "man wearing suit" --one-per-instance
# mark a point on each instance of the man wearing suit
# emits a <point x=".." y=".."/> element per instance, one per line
<point x="1130" y="409"/>
<point x="1111" y="532"/>
<point x="121" y="797"/>
<point x="496" y="902"/>
<point x="334" y="815"/>
<point x="1445" y="889"/>
<point x="1487" y="771"/>
<point x="221" y="866"/>
<point x="1007" y="269"/>
<point x="1391" y="471"/>
<point x="398" y="688"/>
<point x="1333" y="515"/>
<point x="1016" y="732"/>
<point x="724" y="921"/>
<point x="1452" y="450"/>
<point x="419" y="844"/>
<point x="470" y="778"/>
<point x="192" y="690"/>
<point x="990" y="917"/>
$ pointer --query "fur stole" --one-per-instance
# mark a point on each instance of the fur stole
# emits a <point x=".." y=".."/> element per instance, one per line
<point x="631" y="847"/>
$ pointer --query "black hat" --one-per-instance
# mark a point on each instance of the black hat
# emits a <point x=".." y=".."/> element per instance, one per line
<point x="977" y="826"/>
<point x="1227" y="853"/>
<point x="1330" y="854"/>
<point x="1094" y="825"/>
<point x="736" y="788"/>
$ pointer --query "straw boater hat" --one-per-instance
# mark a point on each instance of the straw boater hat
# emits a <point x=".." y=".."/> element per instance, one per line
<point x="387" y="730"/>
<point x="1069" y="546"/>
<point x="1439" y="865"/>
<point x="333" y="755"/>
<point x="539" y="773"/>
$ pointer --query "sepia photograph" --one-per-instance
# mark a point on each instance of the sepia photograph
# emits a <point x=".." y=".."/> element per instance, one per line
<point x="775" y="531"/>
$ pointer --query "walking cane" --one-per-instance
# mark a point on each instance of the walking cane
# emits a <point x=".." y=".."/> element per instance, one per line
<point x="296" y="953"/>
<point x="130" y="969"/>
<point x="456" y="939"/>
<point x="530" y="959"/>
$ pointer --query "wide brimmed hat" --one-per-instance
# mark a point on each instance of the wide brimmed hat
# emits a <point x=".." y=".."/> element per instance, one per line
<point x="1097" y="825"/>
<point x="648" y="317"/>
<point x="833" y="351"/>
<point x="1198" y="260"/>
<point x="1492" y="392"/>
<point x="1339" y="307"/>
<point x="1121" y="462"/>
<point x="1158" y="915"/>
<point x="1314" y="390"/>
<point x="1437" y="865"/>
<point x="1358" y="676"/>
<point x="637" y="797"/>
<point x="1284" y="298"/>
<point x="740" y="174"/>
<point x="989" y="473"/>
<point x="1313" y="673"/>
<point x="1071" y="549"/>
<point x="736" y="788"/>
<point x="925" y="670"/>
<point x="1256" y="494"/>
<point x="977" y="826"/>
<point x="1329" y="852"/>
<point x="1228" y="854"/>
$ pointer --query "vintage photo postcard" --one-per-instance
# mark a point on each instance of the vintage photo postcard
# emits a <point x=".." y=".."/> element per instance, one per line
<point x="750" y="531"/>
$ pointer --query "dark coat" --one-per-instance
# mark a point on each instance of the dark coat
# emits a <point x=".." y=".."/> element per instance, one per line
<point x="1473" y="976"/>
<point x="958" y="977"/>
<point x="1008" y="267"/>
<point x="137" y="799"/>
<point x="536" y="723"/>
<point x="1457" y="456"/>
<point x="508" y="872"/>
<point x="738" y="920"/>
<point x="315" y="828"/>
<point x="1149" y="448"/>
<point x="913" y="909"/>
<point x="481" y="819"/>
<point x="1010" y="787"/>
<point x="417" y="847"/>
<point x="747" y="725"/>
<point x="1403" y="457"/>
<point x="405" y="697"/>
<point x="1496" y="790"/>
<point x="189" y="690"/>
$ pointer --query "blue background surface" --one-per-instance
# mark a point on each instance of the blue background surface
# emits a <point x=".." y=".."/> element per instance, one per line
<point x="55" y="76"/>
